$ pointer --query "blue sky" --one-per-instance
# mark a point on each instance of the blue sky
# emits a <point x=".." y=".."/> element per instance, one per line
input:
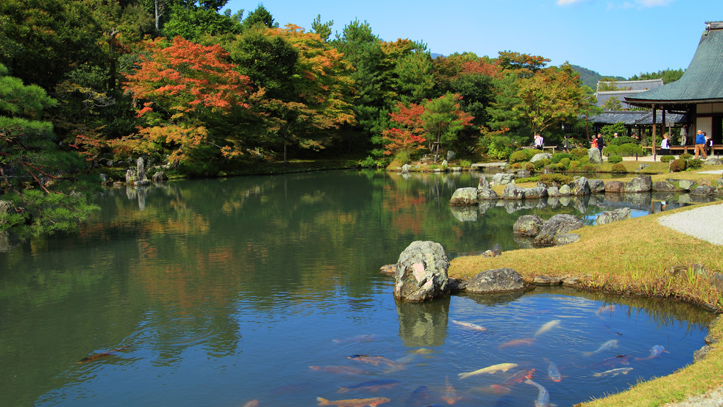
<point x="611" y="37"/>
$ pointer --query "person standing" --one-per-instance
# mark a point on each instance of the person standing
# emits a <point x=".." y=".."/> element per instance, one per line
<point x="683" y="135"/>
<point x="539" y="141"/>
<point x="600" y="143"/>
<point x="708" y="144"/>
<point x="700" y="145"/>
<point x="665" y="145"/>
<point x="566" y="144"/>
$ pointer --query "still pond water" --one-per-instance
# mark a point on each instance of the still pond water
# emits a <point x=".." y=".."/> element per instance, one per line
<point x="261" y="291"/>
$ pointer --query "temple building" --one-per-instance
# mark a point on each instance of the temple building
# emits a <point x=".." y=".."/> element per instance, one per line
<point x="698" y="94"/>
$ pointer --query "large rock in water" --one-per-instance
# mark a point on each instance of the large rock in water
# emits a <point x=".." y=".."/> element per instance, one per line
<point x="557" y="224"/>
<point x="641" y="183"/>
<point x="528" y="225"/>
<point x="495" y="281"/>
<point x="421" y="272"/>
<point x="579" y="187"/>
<point x="464" y="196"/>
<point x="502" y="178"/>
<point x="613" y="216"/>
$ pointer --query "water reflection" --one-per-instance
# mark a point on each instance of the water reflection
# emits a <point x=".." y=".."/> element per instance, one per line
<point x="423" y="325"/>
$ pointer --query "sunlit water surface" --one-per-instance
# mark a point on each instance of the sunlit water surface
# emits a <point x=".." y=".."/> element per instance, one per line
<point x="258" y="290"/>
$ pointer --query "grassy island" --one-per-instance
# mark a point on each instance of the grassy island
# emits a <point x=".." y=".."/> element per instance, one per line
<point x="633" y="258"/>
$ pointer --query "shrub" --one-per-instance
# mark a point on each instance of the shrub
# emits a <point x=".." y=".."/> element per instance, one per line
<point x="560" y="156"/>
<point x="555" y="179"/>
<point x="465" y="163"/>
<point x="403" y="156"/>
<point x="557" y="167"/>
<point x="667" y="158"/>
<point x="565" y="162"/>
<point x="589" y="168"/>
<point x="529" y="166"/>
<point x="619" y="168"/>
<point x="677" y="165"/>
<point x="630" y="149"/>
<point x="369" y="162"/>
<point x="579" y="152"/>
<point x="584" y="160"/>
<point x="686" y="156"/>
<point x="614" y="159"/>
<point x="519" y="156"/>
<point x="515" y="166"/>
<point x="623" y="140"/>
<point x="694" y="163"/>
<point x="611" y="150"/>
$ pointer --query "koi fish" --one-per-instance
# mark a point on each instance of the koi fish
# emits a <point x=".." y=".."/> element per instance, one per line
<point x="604" y="308"/>
<point x="372" y="386"/>
<point x="553" y="372"/>
<point x="613" y="343"/>
<point x="619" y="359"/>
<point x="655" y="351"/>
<point x="470" y="325"/>
<point x="375" y="401"/>
<point x="101" y="355"/>
<point x="419" y="397"/>
<point x="518" y="377"/>
<point x="252" y="403"/>
<point x="502" y="367"/>
<point x="543" y="398"/>
<point x="378" y="360"/>
<point x="517" y="342"/>
<point x="338" y="369"/>
<point x="450" y="396"/>
<point x="615" y="332"/>
<point x="613" y="372"/>
<point x="552" y="324"/>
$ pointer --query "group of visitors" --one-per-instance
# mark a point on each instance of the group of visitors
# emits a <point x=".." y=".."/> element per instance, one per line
<point x="703" y="143"/>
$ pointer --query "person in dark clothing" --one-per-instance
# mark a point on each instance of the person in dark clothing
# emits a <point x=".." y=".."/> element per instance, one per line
<point x="600" y="143"/>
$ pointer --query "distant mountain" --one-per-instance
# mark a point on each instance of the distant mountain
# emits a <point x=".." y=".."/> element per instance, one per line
<point x="590" y="78"/>
<point x="435" y="56"/>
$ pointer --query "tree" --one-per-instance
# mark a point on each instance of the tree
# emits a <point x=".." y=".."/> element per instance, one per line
<point x="188" y="94"/>
<point x="196" y="23"/>
<point x="323" y="29"/>
<point x="259" y="16"/>
<point x="39" y="194"/>
<point x="551" y="96"/>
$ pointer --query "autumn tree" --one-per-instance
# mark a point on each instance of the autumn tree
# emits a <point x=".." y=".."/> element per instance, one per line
<point x="187" y="96"/>
<point x="38" y="192"/>
<point x="551" y="96"/>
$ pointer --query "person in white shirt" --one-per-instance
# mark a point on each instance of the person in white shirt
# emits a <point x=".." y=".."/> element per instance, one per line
<point x="665" y="145"/>
<point x="539" y="141"/>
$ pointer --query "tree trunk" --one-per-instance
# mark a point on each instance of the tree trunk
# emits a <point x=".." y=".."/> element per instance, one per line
<point x="111" y="38"/>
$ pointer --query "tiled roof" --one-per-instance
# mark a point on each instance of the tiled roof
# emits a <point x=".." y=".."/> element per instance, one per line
<point x="701" y="82"/>
<point x="636" y="117"/>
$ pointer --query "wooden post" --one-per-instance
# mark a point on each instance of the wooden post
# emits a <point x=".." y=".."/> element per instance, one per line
<point x="653" y="133"/>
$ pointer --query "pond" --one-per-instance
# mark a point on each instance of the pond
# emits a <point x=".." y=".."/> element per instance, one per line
<point x="266" y="291"/>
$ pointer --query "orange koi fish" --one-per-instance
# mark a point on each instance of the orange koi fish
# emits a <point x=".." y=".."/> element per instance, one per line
<point x="553" y="372"/>
<point x="450" y="396"/>
<point x="252" y="403"/>
<point x="353" y="402"/>
<point x="101" y="355"/>
<point x="516" y="378"/>
<point x="517" y="342"/>
<point x="470" y="326"/>
<point x="338" y="369"/>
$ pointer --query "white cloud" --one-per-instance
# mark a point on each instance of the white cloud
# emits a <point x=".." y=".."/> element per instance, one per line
<point x="653" y="3"/>
<point x="568" y="2"/>
<point x="639" y="4"/>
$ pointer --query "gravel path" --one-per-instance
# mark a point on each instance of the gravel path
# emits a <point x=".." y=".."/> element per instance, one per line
<point x="704" y="223"/>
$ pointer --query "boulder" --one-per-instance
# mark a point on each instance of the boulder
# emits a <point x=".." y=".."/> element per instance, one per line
<point x="534" y="193"/>
<point x="544" y="280"/>
<point x="406" y="168"/>
<point x="553" y="192"/>
<point x="523" y="174"/>
<point x="487" y="194"/>
<point x="495" y="281"/>
<point x="594" y="156"/>
<point x="579" y="187"/>
<point x="565" y="190"/>
<point x="686" y="184"/>
<point x="713" y="161"/>
<point x="558" y="224"/>
<point x="502" y="179"/>
<point x="540" y="157"/>
<point x="388" y="269"/>
<point x="565" y="238"/>
<point x="513" y="192"/>
<point x="615" y="186"/>
<point x="159" y="177"/>
<point x="483" y="183"/>
<point x="613" y="216"/>
<point x="103" y="178"/>
<point x="664" y="186"/>
<point x="597" y="186"/>
<point x="641" y="183"/>
<point x="464" y="196"/>
<point x="719" y="184"/>
<point x="528" y="225"/>
<point x="703" y="191"/>
<point x="421" y="272"/>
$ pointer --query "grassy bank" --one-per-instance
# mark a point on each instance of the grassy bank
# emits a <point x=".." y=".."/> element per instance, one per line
<point x="632" y="257"/>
